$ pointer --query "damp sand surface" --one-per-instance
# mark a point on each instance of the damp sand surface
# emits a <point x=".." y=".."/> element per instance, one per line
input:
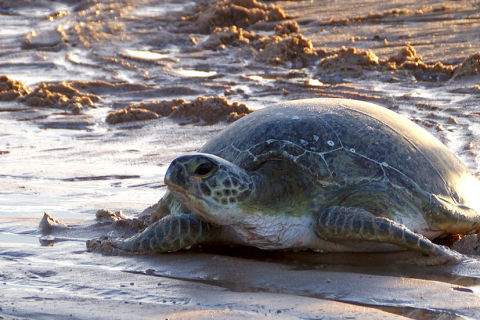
<point x="99" y="96"/>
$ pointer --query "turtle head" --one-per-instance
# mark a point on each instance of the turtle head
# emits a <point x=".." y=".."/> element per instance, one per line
<point x="211" y="187"/>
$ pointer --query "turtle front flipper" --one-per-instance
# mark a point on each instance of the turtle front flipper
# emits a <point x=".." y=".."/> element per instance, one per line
<point x="337" y="224"/>
<point x="171" y="233"/>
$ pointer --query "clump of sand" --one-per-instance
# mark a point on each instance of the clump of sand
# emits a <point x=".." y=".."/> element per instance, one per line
<point x="11" y="89"/>
<point x="406" y="54"/>
<point x="295" y="49"/>
<point x="240" y="13"/>
<point x="59" y="95"/>
<point x="130" y="114"/>
<point x="107" y="216"/>
<point x="206" y="109"/>
<point x="49" y="223"/>
<point x="289" y="47"/>
<point x="53" y="95"/>
<point x="408" y="60"/>
<point x="351" y="63"/>
<point x="227" y="20"/>
<point x="287" y="27"/>
<point x="468" y="68"/>
<point x="232" y="35"/>
<point x="286" y="46"/>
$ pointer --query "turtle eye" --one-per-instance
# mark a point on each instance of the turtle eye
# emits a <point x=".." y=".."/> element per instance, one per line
<point x="205" y="169"/>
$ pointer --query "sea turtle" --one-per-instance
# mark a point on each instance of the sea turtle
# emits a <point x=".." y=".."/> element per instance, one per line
<point x="323" y="174"/>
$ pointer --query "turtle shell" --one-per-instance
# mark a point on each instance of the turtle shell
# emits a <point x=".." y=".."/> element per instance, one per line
<point x="346" y="141"/>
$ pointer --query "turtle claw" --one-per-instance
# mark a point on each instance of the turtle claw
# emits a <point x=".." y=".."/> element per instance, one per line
<point x="104" y="245"/>
<point x="98" y="245"/>
<point x="432" y="260"/>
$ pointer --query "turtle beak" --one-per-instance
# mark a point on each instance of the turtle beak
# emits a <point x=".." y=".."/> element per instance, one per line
<point x="175" y="178"/>
<point x="188" y="170"/>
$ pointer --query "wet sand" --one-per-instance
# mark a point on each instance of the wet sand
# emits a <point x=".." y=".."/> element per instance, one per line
<point x="97" y="97"/>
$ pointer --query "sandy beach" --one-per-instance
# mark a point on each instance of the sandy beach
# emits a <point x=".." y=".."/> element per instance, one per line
<point x="98" y="97"/>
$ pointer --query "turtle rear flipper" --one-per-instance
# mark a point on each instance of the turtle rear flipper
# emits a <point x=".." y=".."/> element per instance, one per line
<point x="171" y="233"/>
<point x="338" y="224"/>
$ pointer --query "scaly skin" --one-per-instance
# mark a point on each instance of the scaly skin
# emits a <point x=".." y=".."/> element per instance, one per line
<point x="345" y="223"/>
<point x="169" y="234"/>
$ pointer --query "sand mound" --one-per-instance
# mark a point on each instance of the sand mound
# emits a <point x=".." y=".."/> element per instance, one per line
<point x="469" y="67"/>
<point x="207" y="109"/>
<point x="163" y="108"/>
<point x="406" y="54"/>
<point x="54" y="95"/>
<point x="11" y="89"/>
<point x="287" y="27"/>
<point x="59" y="95"/>
<point x="351" y="63"/>
<point x="104" y="216"/>
<point x="67" y="88"/>
<point x="295" y="49"/>
<point x="49" y="223"/>
<point x="130" y="114"/>
<point x="240" y="13"/>
<point x="232" y="35"/>
<point x="227" y="20"/>
<point x="286" y="46"/>
<point x="408" y="60"/>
